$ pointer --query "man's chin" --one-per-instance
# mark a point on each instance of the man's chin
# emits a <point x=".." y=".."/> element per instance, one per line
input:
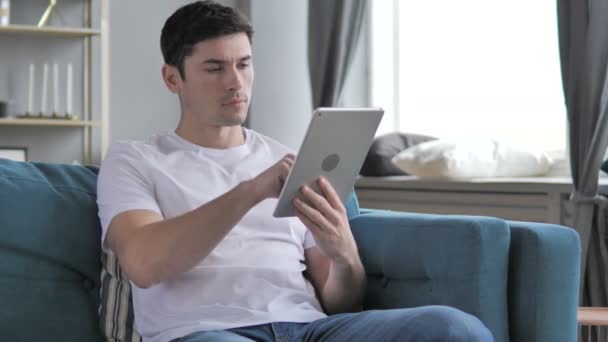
<point x="233" y="121"/>
<point x="234" y="118"/>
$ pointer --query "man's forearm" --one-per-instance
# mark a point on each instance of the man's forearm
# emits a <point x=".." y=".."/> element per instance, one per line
<point x="345" y="287"/>
<point x="167" y="248"/>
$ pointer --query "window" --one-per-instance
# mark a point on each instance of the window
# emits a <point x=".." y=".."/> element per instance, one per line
<point x="469" y="68"/>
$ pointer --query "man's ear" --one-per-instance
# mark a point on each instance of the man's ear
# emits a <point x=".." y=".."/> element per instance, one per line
<point x="171" y="77"/>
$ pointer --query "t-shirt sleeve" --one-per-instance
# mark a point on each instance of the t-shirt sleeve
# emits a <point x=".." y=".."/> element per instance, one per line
<point x="122" y="185"/>
<point x="309" y="240"/>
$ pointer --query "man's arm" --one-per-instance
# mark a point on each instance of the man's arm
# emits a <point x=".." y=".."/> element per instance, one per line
<point x="334" y="265"/>
<point x="151" y="249"/>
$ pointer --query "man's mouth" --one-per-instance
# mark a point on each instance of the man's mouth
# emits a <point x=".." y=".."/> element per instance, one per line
<point x="234" y="102"/>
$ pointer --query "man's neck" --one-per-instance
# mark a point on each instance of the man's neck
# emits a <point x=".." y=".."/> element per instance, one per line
<point x="216" y="137"/>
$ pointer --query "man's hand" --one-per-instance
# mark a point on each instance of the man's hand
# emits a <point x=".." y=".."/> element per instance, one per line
<point x="269" y="183"/>
<point x="327" y="221"/>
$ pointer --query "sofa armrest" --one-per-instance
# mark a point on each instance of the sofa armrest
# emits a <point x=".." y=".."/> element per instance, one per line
<point x="418" y="259"/>
<point x="544" y="268"/>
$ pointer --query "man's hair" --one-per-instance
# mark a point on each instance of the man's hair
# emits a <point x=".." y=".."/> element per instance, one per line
<point x="194" y="23"/>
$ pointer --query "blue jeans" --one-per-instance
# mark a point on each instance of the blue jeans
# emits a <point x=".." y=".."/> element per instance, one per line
<point x="427" y="323"/>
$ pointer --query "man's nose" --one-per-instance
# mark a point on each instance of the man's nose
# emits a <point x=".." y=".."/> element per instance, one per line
<point x="234" y="80"/>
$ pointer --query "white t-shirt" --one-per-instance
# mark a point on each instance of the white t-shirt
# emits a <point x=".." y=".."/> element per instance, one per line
<point x="254" y="276"/>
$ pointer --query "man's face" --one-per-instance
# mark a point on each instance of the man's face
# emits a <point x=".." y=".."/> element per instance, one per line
<point x="218" y="79"/>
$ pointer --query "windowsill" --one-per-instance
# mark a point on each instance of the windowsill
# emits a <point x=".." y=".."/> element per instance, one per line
<point x="519" y="184"/>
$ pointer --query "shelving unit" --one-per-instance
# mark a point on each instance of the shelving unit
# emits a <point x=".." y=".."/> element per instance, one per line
<point x="49" y="31"/>
<point x="48" y="122"/>
<point x="86" y="33"/>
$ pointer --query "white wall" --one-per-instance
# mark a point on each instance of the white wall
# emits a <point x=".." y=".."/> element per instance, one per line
<point x="282" y="100"/>
<point x="281" y="103"/>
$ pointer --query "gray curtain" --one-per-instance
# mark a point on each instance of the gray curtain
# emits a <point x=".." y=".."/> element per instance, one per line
<point x="334" y="29"/>
<point x="583" y="38"/>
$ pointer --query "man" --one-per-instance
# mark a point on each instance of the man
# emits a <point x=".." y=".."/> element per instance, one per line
<point x="188" y="214"/>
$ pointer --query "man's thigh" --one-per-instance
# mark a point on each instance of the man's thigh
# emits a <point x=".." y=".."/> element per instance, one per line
<point x="428" y="323"/>
<point x="213" y="336"/>
<point x="258" y="333"/>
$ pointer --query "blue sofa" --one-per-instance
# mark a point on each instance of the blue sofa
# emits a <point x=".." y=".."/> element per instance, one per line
<point x="519" y="278"/>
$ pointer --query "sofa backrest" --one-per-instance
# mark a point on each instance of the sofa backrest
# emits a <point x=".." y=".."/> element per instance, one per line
<point x="49" y="252"/>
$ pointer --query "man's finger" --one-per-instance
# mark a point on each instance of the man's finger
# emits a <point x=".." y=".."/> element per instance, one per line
<point x="330" y="193"/>
<point x="320" y="202"/>
<point x="312" y="214"/>
<point x="287" y="164"/>
<point x="313" y="227"/>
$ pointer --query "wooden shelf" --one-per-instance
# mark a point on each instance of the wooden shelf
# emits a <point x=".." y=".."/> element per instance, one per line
<point x="47" y="122"/>
<point x="49" y="31"/>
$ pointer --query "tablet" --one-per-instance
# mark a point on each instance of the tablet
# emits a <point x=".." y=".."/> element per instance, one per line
<point x="335" y="146"/>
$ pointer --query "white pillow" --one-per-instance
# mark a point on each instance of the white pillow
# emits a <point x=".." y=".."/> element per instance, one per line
<point x="473" y="158"/>
<point x="561" y="164"/>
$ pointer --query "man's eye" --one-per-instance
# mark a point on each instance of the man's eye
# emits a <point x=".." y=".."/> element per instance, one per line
<point x="214" y="70"/>
<point x="243" y="65"/>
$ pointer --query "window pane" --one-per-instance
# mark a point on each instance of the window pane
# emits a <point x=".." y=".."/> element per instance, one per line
<point x="487" y="68"/>
<point x="383" y="76"/>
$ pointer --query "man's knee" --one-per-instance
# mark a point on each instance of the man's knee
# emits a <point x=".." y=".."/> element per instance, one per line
<point x="453" y="325"/>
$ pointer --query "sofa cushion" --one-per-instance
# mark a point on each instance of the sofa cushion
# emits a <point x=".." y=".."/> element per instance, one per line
<point x="543" y="305"/>
<point x="49" y="273"/>
<point x="418" y="259"/>
<point x="352" y="206"/>
<point x="116" y="316"/>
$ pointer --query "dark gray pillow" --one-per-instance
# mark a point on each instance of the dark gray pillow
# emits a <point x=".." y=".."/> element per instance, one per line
<point x="384" y="148"/>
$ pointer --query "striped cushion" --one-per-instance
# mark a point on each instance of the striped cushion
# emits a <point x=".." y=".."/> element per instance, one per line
<point x="116" y="305"/>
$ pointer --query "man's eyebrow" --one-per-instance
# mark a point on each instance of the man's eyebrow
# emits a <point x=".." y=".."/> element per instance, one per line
<point x="220" y="61"/>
